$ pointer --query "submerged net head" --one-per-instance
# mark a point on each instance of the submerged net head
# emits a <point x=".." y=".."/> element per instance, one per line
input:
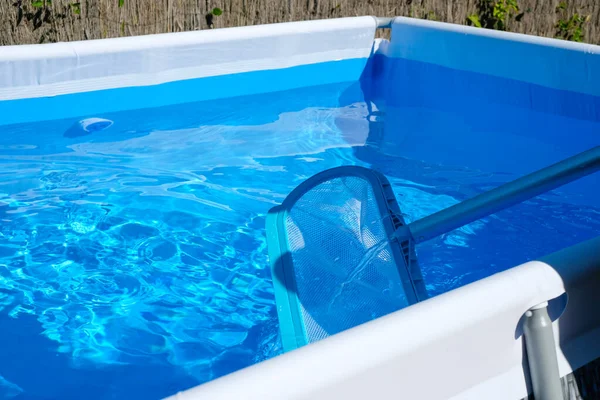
<point x="344" y="268"/>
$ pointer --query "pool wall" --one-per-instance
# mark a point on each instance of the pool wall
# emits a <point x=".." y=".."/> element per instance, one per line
<point x="541" y="74"/>
<point x="487" y="84"/>
<point x="467" y="343"/>
<point x="65" y="80"/>
<point x="551" y="63"/>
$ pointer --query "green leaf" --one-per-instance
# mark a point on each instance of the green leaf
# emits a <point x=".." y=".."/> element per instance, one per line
<point x="474" y="19"/>
<point x="76" y="7"/>
<point x="37" y="4"/>
<point x="121" y="2"/>
<point x="512" y="5"/>
<point x="217" y="11"/>
<point x="431" y="15"/>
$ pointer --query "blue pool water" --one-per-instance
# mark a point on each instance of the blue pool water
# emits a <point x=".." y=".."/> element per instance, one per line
<point x="133" y="260"/>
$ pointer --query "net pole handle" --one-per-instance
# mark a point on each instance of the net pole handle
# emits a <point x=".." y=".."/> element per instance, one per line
<point x="506" y="195"/>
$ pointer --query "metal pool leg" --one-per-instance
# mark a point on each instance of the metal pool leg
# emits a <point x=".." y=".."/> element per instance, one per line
<point x="541" y="354"/>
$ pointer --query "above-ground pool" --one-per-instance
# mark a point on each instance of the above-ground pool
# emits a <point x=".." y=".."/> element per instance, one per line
<point x="133" y="258"/>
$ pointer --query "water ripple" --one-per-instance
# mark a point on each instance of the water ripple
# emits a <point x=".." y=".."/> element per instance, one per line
<point x="143" y="245"/>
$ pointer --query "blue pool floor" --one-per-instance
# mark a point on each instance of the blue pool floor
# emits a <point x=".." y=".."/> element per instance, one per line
<point x="133" y="260"/>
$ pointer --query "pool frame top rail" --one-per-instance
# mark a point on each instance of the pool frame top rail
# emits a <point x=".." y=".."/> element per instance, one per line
<point x="384" y="22"/>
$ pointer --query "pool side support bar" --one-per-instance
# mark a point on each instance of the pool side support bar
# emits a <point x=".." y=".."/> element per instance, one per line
<point x="503" y="196"/>
<point x="384" y="22"/>
<point x="541" y="354"/>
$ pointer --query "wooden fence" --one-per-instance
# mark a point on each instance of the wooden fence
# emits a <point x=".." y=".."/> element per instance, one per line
<point x="39" y="21"/>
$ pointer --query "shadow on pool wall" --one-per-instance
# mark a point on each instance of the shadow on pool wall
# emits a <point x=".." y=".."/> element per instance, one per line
<point x="439" y="133"/>
<point x="451" y="117"/>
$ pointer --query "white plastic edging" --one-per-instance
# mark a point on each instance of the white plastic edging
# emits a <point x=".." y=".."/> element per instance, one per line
<point x="552" y="63"/>
<point x="30" y="71"/>
<point x="464" y="344"/>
